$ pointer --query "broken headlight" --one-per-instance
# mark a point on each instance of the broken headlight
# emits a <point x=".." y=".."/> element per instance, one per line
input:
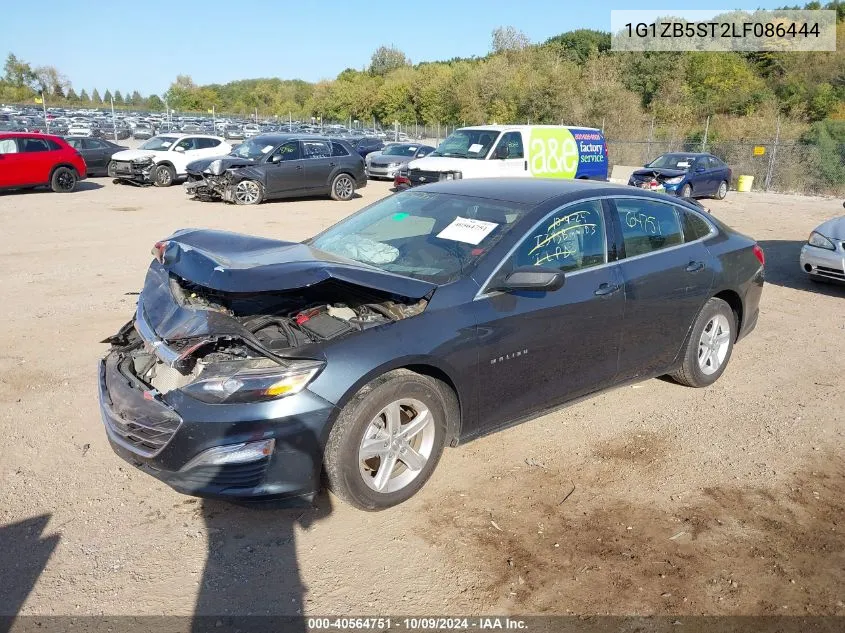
<point x="674" y="180"/>
<point x="252" y="380"/>
<point x="215" y="167"/>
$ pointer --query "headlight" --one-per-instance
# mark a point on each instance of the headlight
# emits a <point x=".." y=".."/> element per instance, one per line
<point x="393" y="165"/>
<point x="451" y="175"/>
<point x="254" y="380"/>
<point x="819" y="240"/>
<point x="673" y="181"/>
<point x="215" y="167"/>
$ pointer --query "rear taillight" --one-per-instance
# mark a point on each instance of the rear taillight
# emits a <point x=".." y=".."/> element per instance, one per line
<point x="759" y="254"/>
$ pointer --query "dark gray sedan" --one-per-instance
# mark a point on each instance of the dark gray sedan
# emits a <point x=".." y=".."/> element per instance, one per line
<point x="252" y="366"/>
<point x="97" y="153"/>
<point x="279" y="166"/>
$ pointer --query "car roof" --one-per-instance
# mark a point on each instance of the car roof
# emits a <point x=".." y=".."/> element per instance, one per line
<point x="281" y="138"/>
<point x="528" y="191"/>
<point x="28" y="135"/>
<point x="502" y="128"/>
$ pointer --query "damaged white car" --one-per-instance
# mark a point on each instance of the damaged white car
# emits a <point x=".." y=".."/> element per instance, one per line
<point x="163" y="159"/>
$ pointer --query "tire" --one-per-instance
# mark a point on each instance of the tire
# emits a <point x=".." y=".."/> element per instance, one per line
<point x="686" y="191"/>
<point x="722" y="191"/>
<point x="110" y="170"/>
<point x="702" y="363"/>
<point x="163" y="176"/>
<point x="64" y="180"/>
<point x="343" y="187"/>
<point x="248" y="192"/>
<point x="359" y="480"/>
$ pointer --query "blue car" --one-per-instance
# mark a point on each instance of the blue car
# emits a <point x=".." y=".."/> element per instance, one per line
<point x="684" y="174"/>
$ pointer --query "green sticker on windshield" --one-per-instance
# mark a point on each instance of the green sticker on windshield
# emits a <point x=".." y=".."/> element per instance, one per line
<point x="400" y="216"/>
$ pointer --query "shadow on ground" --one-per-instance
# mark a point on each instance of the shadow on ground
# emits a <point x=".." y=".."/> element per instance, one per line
<point x="24" y="553"/>
<point x="782" y="269"/>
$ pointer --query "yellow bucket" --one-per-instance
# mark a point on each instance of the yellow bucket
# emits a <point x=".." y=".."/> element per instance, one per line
<point x="744" y="183"/>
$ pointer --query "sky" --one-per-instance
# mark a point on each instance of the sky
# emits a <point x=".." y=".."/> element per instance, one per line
<point x="143" y="46"/>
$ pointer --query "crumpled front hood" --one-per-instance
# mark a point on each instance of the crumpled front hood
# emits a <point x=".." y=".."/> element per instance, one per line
<point x="234" y="262"/>
<point x="134" y="154"/>
<point x="659" y="171"/>
<point x="228" y="161"/>
<point x="833" y="228"/>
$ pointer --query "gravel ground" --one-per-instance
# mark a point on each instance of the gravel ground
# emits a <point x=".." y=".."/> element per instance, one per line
<point x="651" y="499"/>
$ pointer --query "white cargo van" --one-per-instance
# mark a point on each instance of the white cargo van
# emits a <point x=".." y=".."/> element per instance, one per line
<point x="497" y="151"/>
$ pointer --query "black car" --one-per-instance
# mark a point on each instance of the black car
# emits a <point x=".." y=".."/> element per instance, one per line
<point x="279" y="166"/>
<point x="366" y="145"/>
<point x="97" y="153"/>
<point x="428" y="318"/>
<point x="685" y="174"/>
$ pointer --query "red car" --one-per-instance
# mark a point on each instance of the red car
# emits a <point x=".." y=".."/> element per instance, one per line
<point x="29" y="160"/>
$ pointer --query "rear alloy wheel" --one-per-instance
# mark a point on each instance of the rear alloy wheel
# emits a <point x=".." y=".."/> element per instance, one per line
<point x="386" y="441"/>
<point x="709" y="345"/>
<point x="343" y="187"/>
<point x="64" y="180"/>
<point x="686" y="191"/>
<point x="163" y="176"/>
<point x="722" y="191"/>
<point x="248" y="192"/>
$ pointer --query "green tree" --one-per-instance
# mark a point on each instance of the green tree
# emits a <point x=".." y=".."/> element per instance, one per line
<point x="83" y="97"/>
<point x="154" y="103"/>
<point x="386" y="59"/>
<point x="19" y="73"/>
<point x="107" y="97"/>
<point x="507" y="38"/>
<point x="118" y="98"/>
<point x="136" y="98"/>
<point x="578" y="45"/>
<point x="71" y="96"/>
<point x="95" y="98"/>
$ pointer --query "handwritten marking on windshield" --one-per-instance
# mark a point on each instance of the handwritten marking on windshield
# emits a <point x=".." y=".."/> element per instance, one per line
<point x="558" y="236"/>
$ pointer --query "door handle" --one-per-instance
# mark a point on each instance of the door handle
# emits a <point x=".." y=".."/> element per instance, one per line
<point x="526" y="165"/>
<point x="299" y="167"/>
<point x="694" y="267"/>
<point x="606" y="289"/>
<point x="333" y="164"/>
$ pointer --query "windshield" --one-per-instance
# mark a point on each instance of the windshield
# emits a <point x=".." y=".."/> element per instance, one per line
<point x="435" y="237"/>
<point x="400" y="150"/>
<point x="159" y="143"/>
<point x="673" y="161"/>
<point x="467" y="144"/>
<point x="254" y="148"/>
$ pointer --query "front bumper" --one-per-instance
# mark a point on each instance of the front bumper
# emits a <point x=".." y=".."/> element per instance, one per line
<point x="382" y="172"/>
<point x="823" y="263"/>
<point x="134" y="171"/>
<point x="160" y="434"/>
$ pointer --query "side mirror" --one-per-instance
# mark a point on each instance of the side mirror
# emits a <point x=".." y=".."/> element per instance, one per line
<point x="179" y="148"/>
<point x="536" y="278"/>
<point x="501" y="152"/>
<point x="275" y="158"/>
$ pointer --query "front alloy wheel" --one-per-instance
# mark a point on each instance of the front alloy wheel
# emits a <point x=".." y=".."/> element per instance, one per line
<point x="387" y="440"/>
<point x="396" y="445"/>
<point x="247" y="192"/>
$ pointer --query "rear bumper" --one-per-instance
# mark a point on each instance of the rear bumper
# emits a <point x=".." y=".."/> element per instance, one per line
<point x="823" y="263"/>
<point x="159" y="435"/>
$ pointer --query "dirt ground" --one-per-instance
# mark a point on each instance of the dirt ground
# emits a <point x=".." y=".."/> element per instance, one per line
<point x="651" y="499"/>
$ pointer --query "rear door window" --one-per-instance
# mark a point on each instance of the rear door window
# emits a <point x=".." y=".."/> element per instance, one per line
<point x="339" y="150"/>
<point x="647" y="225"/>
<point x="29" y="145"/>
<point x="316" y="149"/>
<point x="694" y="227"/>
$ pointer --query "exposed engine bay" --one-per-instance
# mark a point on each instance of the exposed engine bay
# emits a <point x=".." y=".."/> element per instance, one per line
<point x="255" y="330"/>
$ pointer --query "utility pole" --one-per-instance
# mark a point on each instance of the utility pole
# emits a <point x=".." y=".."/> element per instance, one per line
<point x="770" y="171"/>
<point x="113" y="119"/>
<point x="706" y="129"/>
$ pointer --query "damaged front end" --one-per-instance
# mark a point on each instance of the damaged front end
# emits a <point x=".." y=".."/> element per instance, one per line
<point x="215" y="179"/>
<point x="138" y="171"/>
<point x="209" y="380"/>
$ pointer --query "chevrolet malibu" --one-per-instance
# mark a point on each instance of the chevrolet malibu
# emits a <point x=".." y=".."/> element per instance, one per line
<point x="253" y="367"/>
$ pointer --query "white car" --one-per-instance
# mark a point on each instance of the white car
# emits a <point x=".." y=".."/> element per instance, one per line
<point x="164" y="158"/>
<point x="823" y="256"/>
<point x="79" y="129"/>
<point x="251" y="130"/>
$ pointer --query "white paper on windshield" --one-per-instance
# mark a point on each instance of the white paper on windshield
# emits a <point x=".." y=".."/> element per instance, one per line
<point x="412" y="149"/>
<point x="683" y="164"/>
<point x="166" y="144"/>
<point x="475" y="148"/>
<point x="266" y="149"/>
<point x="467" y="230"/>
